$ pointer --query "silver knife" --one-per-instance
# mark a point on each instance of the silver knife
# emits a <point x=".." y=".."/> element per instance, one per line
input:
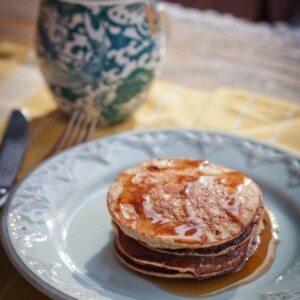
<point x="12" y="149"/>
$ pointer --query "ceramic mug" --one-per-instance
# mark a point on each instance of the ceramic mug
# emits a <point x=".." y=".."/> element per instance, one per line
<point x="100" y="56"/>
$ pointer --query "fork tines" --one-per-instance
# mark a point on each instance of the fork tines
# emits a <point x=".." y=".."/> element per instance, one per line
<point x="78" y="130"/>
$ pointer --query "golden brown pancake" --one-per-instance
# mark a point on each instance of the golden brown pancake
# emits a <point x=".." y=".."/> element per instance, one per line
<point x="139" y="256"/>
<point x="190" y="212"/>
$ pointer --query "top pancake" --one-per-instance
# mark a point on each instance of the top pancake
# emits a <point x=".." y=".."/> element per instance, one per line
<point x="182" y="203"/>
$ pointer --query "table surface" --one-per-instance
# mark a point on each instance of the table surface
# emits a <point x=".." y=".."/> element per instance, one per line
<point x="205" y="51"/>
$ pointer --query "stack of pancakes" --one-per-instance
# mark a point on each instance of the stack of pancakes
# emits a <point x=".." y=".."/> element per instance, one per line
<point x="183" y="218"/>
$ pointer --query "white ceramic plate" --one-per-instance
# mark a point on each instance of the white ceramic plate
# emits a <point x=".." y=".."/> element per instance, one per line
<point x="57" y="231"/>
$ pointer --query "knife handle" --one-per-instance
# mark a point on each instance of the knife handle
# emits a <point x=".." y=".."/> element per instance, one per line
<point x="12" y="148"/>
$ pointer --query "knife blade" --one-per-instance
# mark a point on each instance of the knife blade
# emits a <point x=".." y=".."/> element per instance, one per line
<point x="12" y="149"/>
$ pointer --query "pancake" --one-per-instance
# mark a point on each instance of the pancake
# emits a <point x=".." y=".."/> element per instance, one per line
<point x="185" y="218"/>
<point x="135" y="255"/>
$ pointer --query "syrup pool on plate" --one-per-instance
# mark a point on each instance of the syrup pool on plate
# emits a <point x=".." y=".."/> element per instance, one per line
<point x="257" y="264"/>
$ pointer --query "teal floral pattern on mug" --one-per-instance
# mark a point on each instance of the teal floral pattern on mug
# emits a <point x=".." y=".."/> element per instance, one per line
<point x="99" y="55"/>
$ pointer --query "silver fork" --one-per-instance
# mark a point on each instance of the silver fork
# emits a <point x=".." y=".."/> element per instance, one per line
<point x="78" y="130"/>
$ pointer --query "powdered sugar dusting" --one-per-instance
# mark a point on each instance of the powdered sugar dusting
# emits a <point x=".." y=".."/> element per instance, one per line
<point x="151" y="213"/>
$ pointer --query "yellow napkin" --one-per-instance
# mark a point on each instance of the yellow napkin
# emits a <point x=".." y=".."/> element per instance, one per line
<point x="11" y="56"/>
<point x="169" y="105"/>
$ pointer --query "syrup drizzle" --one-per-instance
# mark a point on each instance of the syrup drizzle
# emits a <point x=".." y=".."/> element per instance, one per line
<point x="257" y="264"/>
<point x="160" y="198"/>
